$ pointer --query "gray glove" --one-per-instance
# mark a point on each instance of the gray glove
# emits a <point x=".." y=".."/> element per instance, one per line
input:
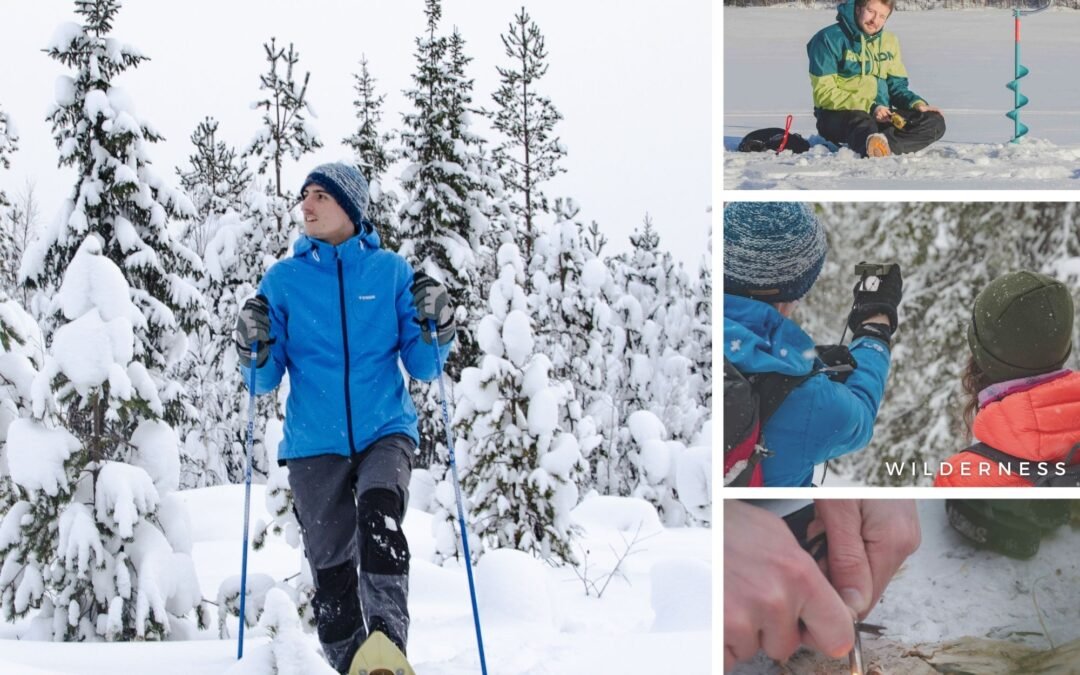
<point x="432" y="303"/>
<point x="253" y="325"/>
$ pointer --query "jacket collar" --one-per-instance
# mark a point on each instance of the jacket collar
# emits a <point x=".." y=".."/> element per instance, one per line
<point x="1000" y="390"/>
<point x="351" y="250"/>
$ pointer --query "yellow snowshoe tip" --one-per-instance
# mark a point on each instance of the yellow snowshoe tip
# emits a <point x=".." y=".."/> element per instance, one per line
<point x="379" y="656"/>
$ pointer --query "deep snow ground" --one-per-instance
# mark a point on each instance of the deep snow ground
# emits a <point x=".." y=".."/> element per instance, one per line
<point x="959" y="61"/>
<point x="948" y="590"/>
<point x="536" y="619"/>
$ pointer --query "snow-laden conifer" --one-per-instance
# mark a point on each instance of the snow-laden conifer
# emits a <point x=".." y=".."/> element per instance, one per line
<point x="373" y="156"/>
<point x="97" y="542"/>
<point x="520" y="468"/>
<point x="448" y="185"/>
<point x="118" y="290"/>
<point x="530" y="152"/>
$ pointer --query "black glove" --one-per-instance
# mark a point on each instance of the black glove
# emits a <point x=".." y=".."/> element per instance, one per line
<point x="873" y="296"/>
<point x="839" y="363"/>
<point x="253" y="325"/>
<point x="432" y="303"/>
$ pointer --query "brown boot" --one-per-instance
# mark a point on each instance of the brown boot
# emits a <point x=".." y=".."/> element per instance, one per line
<point x="877" y="146"/>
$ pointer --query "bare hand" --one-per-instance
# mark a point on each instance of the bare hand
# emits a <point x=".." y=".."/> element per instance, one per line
<point x="770" y="584"/>
<point x="882" y="114"/>
<point x="922" y="107"/>
<point x="868" y="541"/>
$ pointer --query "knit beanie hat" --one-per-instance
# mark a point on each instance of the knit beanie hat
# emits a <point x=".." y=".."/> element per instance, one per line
<point x="346" y="185"/>
<point x="773" y="251"/>
<point x="1021" y="325"/>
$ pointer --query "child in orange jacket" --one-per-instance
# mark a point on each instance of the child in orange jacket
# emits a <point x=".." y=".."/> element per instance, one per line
<point x="1024" y="405"/>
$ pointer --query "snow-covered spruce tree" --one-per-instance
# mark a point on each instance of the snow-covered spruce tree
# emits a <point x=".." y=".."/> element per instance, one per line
<point x="9" y="143"/>
<point x="117" y="218"/>
<point x="444" y="214"/>
<point x="701" y="344"/>
<point x="627" y="362"/>
<point x="530" y="153"/>
<point x="96" y="542"/>
<point x="215" y="183"/>
<point x="572" y="317"/>
<point x="949" y="252"/>
<point x="373" y="157"/>
<point x="520" y="470"/>
<point x="22" y="350"/>
<point x="9" y="255"/>
<point x="285" y="131"/>
<point x="20" y="226"/>
<point x="118" y="196"/>
<point x="218" y="182"/>
<point x="654" y="349"/>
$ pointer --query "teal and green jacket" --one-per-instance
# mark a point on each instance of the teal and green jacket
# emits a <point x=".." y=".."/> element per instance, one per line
<point x="850" y="70"/>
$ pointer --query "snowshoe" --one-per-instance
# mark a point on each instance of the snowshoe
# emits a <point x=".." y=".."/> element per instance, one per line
<point x="379" y="656"/>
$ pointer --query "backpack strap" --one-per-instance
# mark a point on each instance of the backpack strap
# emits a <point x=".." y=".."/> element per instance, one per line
<point x="1045" y="474"/>
<point x="773" y="389"/>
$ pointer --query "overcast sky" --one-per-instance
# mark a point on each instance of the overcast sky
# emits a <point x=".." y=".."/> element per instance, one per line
<point x="631" y="79"/>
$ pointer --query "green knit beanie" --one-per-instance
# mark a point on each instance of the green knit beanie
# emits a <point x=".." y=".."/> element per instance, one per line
<point x="1021" y="325"/>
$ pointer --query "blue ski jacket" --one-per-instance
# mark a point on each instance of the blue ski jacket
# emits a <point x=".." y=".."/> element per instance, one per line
<point x="821" y="419"/>
<point x="340" y="318"/>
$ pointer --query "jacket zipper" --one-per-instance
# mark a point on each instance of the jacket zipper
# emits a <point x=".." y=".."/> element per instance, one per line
<point x="345" y="337"/>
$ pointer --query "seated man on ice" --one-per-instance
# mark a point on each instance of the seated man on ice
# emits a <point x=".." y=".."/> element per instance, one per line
<point x="860" y="85"/>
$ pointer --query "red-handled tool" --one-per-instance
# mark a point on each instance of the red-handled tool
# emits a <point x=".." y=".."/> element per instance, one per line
<point x="787" y="132"/>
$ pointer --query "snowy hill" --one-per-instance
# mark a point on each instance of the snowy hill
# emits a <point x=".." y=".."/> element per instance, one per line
<point x="654" y="617"/>
<point x="959" y="61"/>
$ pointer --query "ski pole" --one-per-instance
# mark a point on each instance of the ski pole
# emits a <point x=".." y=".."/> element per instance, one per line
<point x="248" y="445"/>
<point x="457" y="494"/>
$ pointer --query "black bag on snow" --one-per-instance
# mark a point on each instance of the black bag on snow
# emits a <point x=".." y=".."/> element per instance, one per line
<point x="770" y="139"/>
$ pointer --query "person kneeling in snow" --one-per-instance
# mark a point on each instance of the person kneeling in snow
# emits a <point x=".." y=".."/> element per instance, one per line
<point x="773" y="253"/>
<point x="1023" y="405"/>
<point x="337" y="316"/>
<point x="860" y="85"/>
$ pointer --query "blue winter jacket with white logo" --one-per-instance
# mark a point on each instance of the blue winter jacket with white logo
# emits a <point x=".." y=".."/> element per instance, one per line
<point x="821" y="419"/>
<point x="340" y="316"/>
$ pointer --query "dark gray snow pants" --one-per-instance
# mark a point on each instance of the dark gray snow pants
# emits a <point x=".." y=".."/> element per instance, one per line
<point x="350" y="511"/>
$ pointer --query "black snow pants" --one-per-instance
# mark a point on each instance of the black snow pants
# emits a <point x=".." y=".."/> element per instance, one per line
<point x="350" y="511"/>
<point x="851" y="127"/>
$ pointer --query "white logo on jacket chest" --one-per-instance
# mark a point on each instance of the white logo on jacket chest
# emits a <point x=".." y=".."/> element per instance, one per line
<point x="367" y="297"/>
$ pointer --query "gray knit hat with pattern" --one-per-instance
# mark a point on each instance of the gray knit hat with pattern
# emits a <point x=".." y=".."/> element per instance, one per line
<point x="347" y="186"/>
<point x="773" y="251"/>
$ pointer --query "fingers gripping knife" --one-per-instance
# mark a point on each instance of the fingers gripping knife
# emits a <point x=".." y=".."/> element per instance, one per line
<point x="818" y="548"/>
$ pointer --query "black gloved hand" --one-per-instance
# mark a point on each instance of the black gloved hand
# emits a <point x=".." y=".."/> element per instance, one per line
<point x="839" y="363"/>
<point x="873" y="296"/>
<point x="253" y="325"/>
<point x="432" y="303"/>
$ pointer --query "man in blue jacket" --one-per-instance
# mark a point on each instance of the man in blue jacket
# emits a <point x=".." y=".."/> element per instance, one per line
<point x="338" y="316"/>
<point x="773" y="253"/>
